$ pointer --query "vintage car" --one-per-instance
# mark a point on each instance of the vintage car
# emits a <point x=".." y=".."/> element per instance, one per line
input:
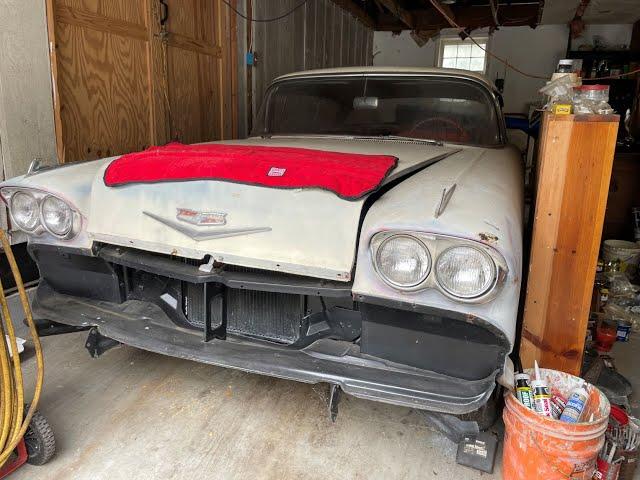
<point x="406" y="293"/>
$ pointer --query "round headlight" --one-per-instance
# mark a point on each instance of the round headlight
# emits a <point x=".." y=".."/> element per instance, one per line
<point x="57" y="216"/>
<point x="403" y="261"/>
<point x="465" y="272"/>
<point x="24" y="210"/>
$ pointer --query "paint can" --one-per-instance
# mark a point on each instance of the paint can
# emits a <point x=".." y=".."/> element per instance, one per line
<point x="624" y="331"/>
<point x="537" y="447"/>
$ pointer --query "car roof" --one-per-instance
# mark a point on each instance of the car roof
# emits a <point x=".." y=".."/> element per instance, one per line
<point x="444" y="72"/>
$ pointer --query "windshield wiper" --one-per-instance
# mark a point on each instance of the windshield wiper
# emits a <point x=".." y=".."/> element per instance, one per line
<point x="427" y="141"/>
<point x="349" y="136"/>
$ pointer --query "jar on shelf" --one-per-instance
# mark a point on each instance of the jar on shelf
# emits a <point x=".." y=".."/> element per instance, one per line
<point x="592" y="99"/>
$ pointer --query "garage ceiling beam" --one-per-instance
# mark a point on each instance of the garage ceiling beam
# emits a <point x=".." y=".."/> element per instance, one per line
<point x="360" y="13"/>
<point x="400" y="13"/>
<point x="447" y="9"/>
<point x="466" y="17"/>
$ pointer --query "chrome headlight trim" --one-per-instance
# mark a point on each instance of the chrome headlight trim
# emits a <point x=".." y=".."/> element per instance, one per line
<point x="436" y="244"/>
<point x="7" y="194"/>
<point x="388" y="280"/>
<point x="37" y="212"/>
<point x="492" y="265"/>
<point x="47" y="227"/>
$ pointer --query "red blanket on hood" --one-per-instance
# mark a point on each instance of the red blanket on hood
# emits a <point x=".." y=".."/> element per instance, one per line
<point x="348" y="175"/>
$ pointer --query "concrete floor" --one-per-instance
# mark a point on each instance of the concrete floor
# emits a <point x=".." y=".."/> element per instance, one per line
<point x="133" y="414"/>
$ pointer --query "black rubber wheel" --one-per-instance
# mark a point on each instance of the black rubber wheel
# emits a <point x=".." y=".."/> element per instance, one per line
<point x="39" y="440"/>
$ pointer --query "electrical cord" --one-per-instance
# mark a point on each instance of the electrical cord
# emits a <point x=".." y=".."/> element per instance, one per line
<point x="13" y="421"/>
<point x="439" y="8"/>
<point x="264" y="20"/>
<point x="494" y="11"/>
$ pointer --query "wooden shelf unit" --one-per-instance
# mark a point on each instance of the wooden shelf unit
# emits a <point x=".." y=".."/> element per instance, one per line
<point x="574" y="170"/>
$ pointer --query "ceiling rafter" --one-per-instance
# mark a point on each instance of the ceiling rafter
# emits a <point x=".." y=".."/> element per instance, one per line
<point x="399" y="12"/>
<point x="447" y="9"/>
<point x="419" y="15"/>
<point x="467" y="17"/>
<point x="357" y="11"/>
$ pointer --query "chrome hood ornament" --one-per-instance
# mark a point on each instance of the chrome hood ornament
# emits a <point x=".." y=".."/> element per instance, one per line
<point x="196" y="220"/>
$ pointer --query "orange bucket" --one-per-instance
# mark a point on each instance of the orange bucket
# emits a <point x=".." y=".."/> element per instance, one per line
<point x="541" y="447"/>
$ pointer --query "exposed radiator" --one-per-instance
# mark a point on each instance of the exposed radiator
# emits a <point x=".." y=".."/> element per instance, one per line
<point x="194" y="304"/>
<point x="274" y="316"/>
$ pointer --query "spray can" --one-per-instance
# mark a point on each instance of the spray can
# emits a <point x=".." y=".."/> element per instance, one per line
<point x="575" y="405"/>
<point x="524" y="393"/>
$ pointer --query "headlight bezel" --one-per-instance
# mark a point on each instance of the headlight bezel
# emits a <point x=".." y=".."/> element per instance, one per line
<point x="48" y="227"/>
<point x="40" y="196"/>
<point x="37" y="211"/>
<point x="492" y="263"/>
<point x="436" y="244"/>
<point x="391" y="281"/>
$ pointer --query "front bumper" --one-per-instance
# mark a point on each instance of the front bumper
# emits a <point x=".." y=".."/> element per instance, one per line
<point x="144" y="325"/>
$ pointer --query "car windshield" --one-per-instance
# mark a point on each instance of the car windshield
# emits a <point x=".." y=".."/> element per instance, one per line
<point x="434" y="108"/>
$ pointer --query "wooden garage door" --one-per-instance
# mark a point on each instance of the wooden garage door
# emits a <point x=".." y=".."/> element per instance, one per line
<point x="133" y="73"/>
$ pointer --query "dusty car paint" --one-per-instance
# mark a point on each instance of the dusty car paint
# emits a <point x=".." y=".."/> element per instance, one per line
<point x="488" y="198"/>
<point x="312" y="232"/>
<point x="459" y="192"/>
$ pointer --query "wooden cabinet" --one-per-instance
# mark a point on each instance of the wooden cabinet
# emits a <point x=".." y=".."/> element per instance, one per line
<point x="574" y="169"/>
<point x="133" y="73"/>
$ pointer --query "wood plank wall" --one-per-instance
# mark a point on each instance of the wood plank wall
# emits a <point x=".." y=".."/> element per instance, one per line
<point x="124" y="82"/>
<point x="318" y="35"/>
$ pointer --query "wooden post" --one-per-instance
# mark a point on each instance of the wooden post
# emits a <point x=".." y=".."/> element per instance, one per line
<point x="575" y="160"/>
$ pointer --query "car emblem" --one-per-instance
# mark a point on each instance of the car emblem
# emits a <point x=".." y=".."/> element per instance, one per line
<point x="196" y="232"/>
<point x="276" y="172"/>
<point x="201" y="218"/>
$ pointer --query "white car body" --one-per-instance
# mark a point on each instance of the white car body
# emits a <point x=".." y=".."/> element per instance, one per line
<point x="314" y="233"/>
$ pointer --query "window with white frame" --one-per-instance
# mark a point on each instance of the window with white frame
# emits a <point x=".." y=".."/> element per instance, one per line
<point x="464" y="54"/>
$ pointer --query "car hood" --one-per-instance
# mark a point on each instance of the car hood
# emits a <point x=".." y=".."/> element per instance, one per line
<point x="300" y="231"/>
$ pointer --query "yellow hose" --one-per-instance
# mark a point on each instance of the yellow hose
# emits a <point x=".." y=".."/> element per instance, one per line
<point x="13" y="422"/>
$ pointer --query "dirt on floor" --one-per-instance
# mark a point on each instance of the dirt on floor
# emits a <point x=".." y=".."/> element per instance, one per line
<point x="132" y="414"/>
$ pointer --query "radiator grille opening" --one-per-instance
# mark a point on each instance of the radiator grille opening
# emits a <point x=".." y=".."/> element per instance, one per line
<point x="193" y="304"/>
<point x="271" y="316"/>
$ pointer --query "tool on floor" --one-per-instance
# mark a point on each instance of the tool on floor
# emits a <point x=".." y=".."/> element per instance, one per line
<point x="478" y="451"/>
<point x="24" y="437"/>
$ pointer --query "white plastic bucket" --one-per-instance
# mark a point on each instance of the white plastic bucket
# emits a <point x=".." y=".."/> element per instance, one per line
<point x="627" y="252"/>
